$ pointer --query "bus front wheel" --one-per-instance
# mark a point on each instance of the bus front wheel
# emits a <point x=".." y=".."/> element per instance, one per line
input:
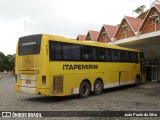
<point x="98" y="87"/>
<point x="85" y="89"/>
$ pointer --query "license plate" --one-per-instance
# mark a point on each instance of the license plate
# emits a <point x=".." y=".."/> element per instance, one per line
<point x="28" y="81"/>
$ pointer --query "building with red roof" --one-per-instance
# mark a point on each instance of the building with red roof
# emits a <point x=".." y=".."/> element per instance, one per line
<point x="141" y="33"/>
<point x="107" y="33"/>
<point x="152" y="20"/>
<point x="145" y="36"/>
<point x="81" y="37"/>
<point x="128" y="28"/>
<point x="92" y="35"/>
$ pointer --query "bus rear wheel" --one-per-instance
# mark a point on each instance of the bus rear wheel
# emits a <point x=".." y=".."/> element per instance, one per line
<point x="85" y="89"/>
<point x="98" y="87"/>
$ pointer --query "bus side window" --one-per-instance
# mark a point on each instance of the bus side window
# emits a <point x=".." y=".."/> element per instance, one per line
<point x="85" y="56"/>
<point x="114" y="55"/>
<point x="141" y="55"/>
<point x="134" y="57"/>
<point x="58" y="51"/>
<point x="55" y="50"/>
<point x="66" y="51"/>
<point x="93" y="53"/>
<point x="101" y="54"/>
<point x="124" y="56"/>
<point x="127" y="56"/>
<point x="76" y="52"/>
<point x="108" y="54"/>
<point x="118" y="55"/>
<point x="89" y="53"/>
<point x="130" y="56"/>
<point x="51" y="50"/>
<point x="85" y="53"/>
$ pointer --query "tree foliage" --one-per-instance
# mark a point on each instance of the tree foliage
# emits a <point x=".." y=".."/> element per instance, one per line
<point x="7" y="62"/>
<point x="156" y="1"/>
<point x="139" y="10"/>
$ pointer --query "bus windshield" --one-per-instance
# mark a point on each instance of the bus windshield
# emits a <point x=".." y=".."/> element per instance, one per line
<point x="29" y="45"/>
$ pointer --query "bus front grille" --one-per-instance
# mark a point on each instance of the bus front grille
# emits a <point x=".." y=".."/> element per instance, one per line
<point x="57" y="84"/>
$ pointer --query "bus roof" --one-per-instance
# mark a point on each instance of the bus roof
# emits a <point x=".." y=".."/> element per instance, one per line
<point x="90" y="43"/>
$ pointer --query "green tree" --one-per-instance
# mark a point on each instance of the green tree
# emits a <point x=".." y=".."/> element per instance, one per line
<point x="7" y="62"/>
<point x="2" y="58"/>
<point x="156" y="1"/>
<point x="140" y="9"/>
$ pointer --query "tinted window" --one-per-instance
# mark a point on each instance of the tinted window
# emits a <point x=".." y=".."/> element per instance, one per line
<point x="115" y="55"/>
<point x="55" y="51"/>
<point x="89" y="53"/>
<point x="29" y="45"/>
<point x="141" y="55"/>
<point x="108" y="54"/>
<point x="124" y="56"/>
<point x="118" y="55"/>
<point x="76" y="52"/>
<point x="101" y="54"/>
<point x="64" y="51"/>
<point x="134" y="57"/>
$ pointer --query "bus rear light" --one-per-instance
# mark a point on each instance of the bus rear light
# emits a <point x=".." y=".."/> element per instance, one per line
<point x="43" y="80"/>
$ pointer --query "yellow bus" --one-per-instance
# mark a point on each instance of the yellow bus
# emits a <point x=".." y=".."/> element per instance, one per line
<point x="51" y="65"/>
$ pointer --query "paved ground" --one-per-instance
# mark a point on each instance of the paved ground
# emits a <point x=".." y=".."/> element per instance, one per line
<point x="143" y="98"/>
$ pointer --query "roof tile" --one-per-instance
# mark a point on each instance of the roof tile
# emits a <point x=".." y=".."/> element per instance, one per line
<point x="111" y="30"/>
<point x="81" y="37"/>
<point x="157" y="6"/>
<point x="94" y="35"/>
<point x="135" y="23"/>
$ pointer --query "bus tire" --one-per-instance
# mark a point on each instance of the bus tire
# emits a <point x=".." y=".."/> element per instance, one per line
<point x="84" y="89"/>
<point x="138" y="80"/>
<point x="98" y="87"/>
